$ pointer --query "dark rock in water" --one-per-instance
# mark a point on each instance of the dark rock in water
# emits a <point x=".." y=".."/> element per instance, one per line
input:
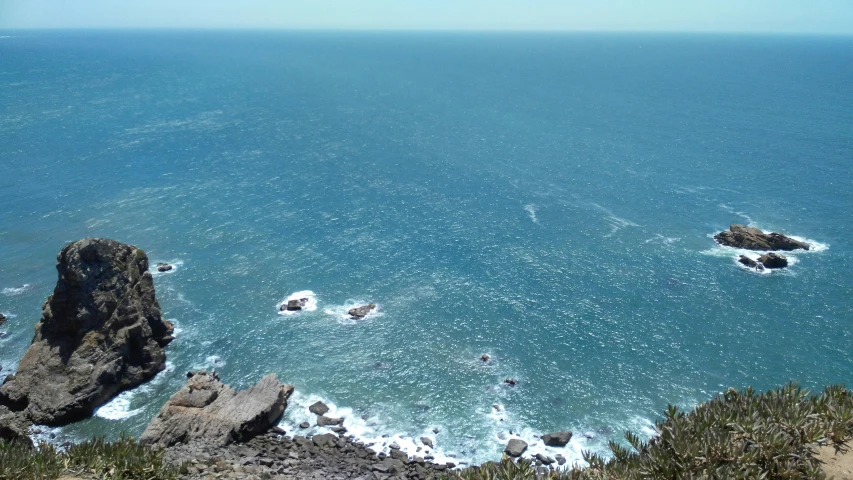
<point x="773" y="260"/>
<point x="324" y="421"/>
<point x="485" y="357"/>
<point x="164" y="267"/>
<point x="2" y="319"/>
<point x="435" y="431"/>
<point x="427" y="441"/>
<point x="744" y="260"/>
<point x="190" y="374"/>
<point x="101" y="333"/>
<point x="362" y="311"/>
<point x="325" y="439"/>
<point x="304" y="425"/>
<point x="294" y="305"/>
<point x="740" y="236"/>
<point x="561" y="460"/>
<point x="558" y="439"/>
<point x="206" y="410"/>
<point x="545" y="460"/>
<point x="510" y="381"/>
<point x="318" y="408"/>
<point x="515" y="447"/>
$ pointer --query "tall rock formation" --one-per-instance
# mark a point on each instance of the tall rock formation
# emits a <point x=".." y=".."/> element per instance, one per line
<point x="100" y="333"/>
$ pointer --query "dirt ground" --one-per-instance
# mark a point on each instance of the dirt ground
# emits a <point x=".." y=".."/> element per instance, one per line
<point x="837" y="464"/>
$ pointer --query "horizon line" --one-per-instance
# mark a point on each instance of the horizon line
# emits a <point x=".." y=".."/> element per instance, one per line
<point x="431" y="30"/>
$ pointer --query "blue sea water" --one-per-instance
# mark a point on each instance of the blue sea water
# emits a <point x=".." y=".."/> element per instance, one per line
<point x="547" y="199"/>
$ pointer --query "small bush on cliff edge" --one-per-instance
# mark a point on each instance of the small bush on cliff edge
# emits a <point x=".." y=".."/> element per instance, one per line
<point x="737" y="435"/>
<point x="123" y="459"/>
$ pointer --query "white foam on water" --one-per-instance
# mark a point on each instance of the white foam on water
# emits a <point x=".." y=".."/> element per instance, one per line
<point x="531" y="210"/>
<point x="616" y="223"/>
<point x="661" y="239"/>
<point x="310" y="306"/>
<point x="52" y="435"/>
<point x="176" y="265"/>
<point x="120" y="407"/>
<point x="12" y="291"/>
<point x="370" y="431"/>
<point x="210" y="362"/>
<point x="341" y="312"/>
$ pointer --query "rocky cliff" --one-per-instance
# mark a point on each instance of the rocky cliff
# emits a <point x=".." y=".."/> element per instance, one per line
<point x="101" y="332"/>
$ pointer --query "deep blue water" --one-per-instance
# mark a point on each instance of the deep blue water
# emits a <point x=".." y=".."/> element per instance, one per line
<point x="546" y="199"/>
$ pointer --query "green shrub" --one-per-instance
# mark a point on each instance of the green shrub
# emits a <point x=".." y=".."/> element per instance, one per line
<point x="737" y="435"/>
<point x="123" y="459"/>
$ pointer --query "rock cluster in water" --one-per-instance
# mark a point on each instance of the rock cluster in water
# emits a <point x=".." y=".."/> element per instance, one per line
<point x="101" y="332"/>
<point x="740" y="236"/>
<point x="208" y="411"/>
<point x="362" y="311"/>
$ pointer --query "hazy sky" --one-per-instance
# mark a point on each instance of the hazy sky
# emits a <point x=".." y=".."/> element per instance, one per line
<point x="795" y="16"/>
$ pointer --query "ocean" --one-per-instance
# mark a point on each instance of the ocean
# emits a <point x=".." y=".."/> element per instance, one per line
<point x="546" y="199"/>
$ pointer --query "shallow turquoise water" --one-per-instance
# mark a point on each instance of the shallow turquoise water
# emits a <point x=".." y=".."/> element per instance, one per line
<point x="546" y="199"/>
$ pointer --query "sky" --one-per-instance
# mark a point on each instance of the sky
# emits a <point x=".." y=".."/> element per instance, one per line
<point x="759" y="16"/>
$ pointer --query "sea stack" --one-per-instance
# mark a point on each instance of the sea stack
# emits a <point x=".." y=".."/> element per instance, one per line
<point x="101" y="332"/>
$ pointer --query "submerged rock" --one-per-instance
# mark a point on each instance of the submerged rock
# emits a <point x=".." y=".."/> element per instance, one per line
<point x="362" y="311"/>
<point x="206" y="410"/>
<point x="101" y="332"/>
<point x="773" y="260"/>
<point x="485" y="357"/>
<point x="744" y="260"/>
<point x="428" y="442"/>
<point x="510" y="381"/>
<point x="2" y="319"/>
<point x="740" y="236"/>
<point x="515" y="447"/>
<point x="164" y="267"/>
<point x="558" y="439"/>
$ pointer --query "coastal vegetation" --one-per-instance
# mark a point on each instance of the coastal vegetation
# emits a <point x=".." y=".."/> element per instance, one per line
<point x="119" y="460"/>
<point x="738" y="434"/>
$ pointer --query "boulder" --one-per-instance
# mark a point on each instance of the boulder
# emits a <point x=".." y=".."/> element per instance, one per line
<point x="362" y="311"/>
<point x="515" y="447"/>
<point x="2" y="319"/>
<point x="296" y="304"/>
<point x="558" y="439"/>
<point x="101" y="333"/>
<point x="304" y="425"/>
<point x="510" y="381"/>
<point x="206" y="410"/>
<point x="427" y="441"/>
<point x="164" y="267"/>
<point x="744" y="260"/>
<point x="561" y="460"/>
<point x="318" y="408"/>
<point x="324" y="421"/>
<point x="773" y="260"/>
<point x="325" y="439"/>
<point x="485" y="357"/>
<point x="740" y="236"/>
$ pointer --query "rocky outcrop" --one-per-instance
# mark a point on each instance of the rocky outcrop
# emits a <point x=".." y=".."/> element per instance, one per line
<point x="13" y="427"/>
<point x="294" y="305"/>
<point x="208" y="411"/>
<point x="101" y="332"/>
<point x="319" y="408"/>
<point x="362" y="311"/>
<point x="164" y="267"/>
<point x="558" y="439"/>
<point x="740" y="236"/>
<point x="773" y="260"/>
<point x="515" y="447"/>
<point x="746" y="261"/>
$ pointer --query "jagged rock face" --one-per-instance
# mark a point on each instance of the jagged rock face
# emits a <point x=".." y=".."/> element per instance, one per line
<point x="749" y="238"/>
<point x="208" y="411"/>
<point x="100" y="333"/>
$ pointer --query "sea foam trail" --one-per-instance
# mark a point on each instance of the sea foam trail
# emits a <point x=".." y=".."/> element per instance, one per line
<point x="121" y="407"/>
<point x="531" y="211"/>
<point x="310" y="306"/>
<point x="12" y="291"/>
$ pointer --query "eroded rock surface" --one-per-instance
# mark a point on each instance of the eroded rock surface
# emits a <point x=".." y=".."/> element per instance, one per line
<point x="101" y="332"/>
<point x="558" y="439"/>
<point x="773" y="260"/>
<point x="362" y="311"/>
<point x="208" y="411"/>
<point x="740" y="236"/>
